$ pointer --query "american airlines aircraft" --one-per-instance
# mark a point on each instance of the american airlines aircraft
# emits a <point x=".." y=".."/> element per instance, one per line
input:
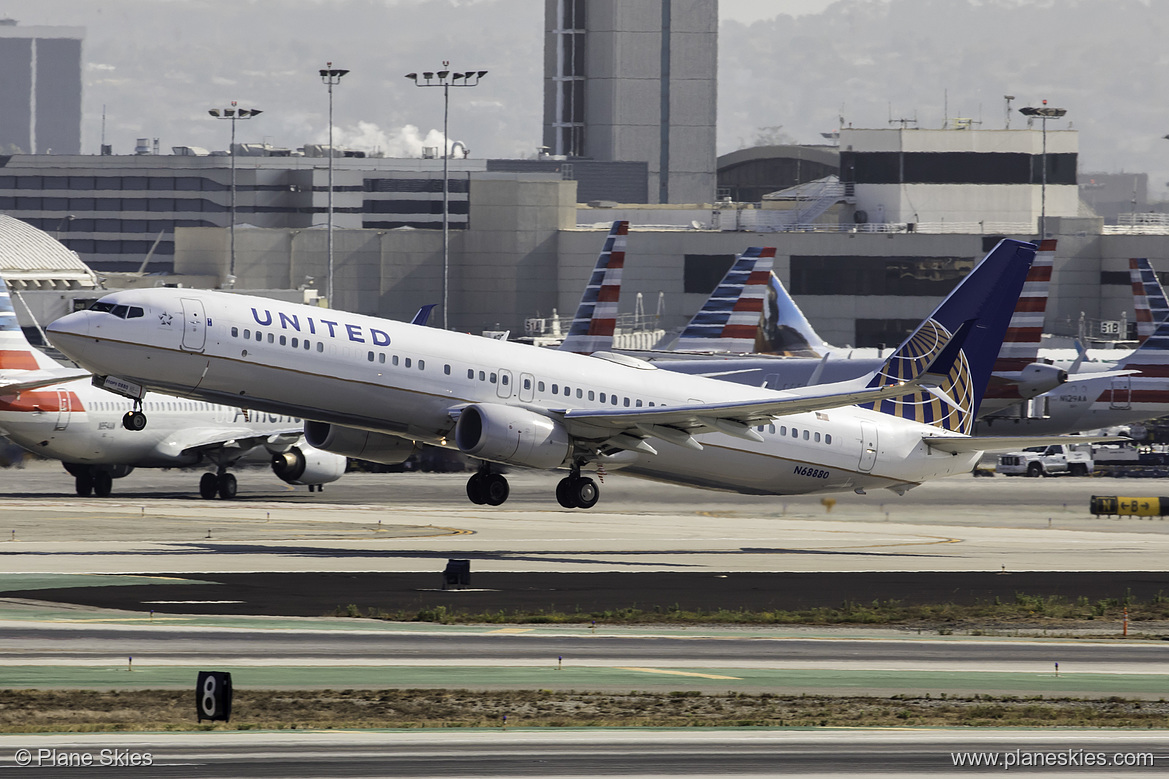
<point x="47" y="410"/>
<point x="378" y="386"/>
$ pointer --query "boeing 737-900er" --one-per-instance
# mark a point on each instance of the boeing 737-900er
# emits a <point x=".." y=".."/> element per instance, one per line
<point x="371" y="388"/>
<point x="50" y="411"/>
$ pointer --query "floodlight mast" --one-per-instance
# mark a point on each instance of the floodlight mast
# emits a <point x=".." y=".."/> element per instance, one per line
<point x="330" y="76"/>
<point x="1044" y="112"/>
<point x="233" y="114"/>
<point x="446" y="80"/>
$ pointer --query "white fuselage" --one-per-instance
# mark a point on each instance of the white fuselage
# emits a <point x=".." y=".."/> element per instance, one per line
<point x="411" y="381"/>
<point x="79" y="423"/>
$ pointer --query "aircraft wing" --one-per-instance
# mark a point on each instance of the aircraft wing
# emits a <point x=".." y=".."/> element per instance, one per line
<point x="30" y="380"/>
<point x="237" y="437"/>
<point x="1007" y="443"/>
<point x="625" y="427"/>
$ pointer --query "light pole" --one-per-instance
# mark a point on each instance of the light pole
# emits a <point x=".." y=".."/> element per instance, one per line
<point x="331" y="77"/>
<point x="1044" y="112"/>
<point x="233" y="113"/>
<point x="445" y="79"/>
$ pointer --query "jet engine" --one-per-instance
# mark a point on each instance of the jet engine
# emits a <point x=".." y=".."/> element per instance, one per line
<point x="362" y="444"/>
<point x="512" y="435"/>
<point x="1037" y="378"/>
<point x="304" y="464"/>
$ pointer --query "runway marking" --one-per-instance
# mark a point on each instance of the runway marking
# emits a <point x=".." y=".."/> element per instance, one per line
<point x="676" y="673"/>
<point x="512" y="630"/>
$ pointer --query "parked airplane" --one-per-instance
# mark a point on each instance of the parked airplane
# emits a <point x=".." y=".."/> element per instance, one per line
<point x="384" y="385"/>
<point x="1018" y="373"/>
<point x="48" y="410"/>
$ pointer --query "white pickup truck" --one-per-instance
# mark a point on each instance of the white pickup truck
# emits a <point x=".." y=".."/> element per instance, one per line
<point x="1049" y="460"/>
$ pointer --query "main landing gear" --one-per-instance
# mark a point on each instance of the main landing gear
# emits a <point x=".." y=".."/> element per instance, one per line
<point x="96" y="480"/>
<point x="222" y="484"/>
<point x="577" y="492"/>
<point x="572" y="492"/>
<point x="487" y="487"/>
<point x="135" y="420"/>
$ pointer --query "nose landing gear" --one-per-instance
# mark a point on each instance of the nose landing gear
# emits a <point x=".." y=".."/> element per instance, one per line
<point x="135" y="420"/>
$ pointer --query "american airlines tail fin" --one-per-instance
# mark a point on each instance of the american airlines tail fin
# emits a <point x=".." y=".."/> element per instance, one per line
<point x="22" y="366"/>
<point x="958" y="343"/>
<point x="1021" y="343"/>
<point x="16" y="353"/>
<point x="729" y="321"/>
<point x="596" y="316"/>
<point x="1140" y="377"/>
<point x="1148" y="298"/>
<point x="784" y="329"/>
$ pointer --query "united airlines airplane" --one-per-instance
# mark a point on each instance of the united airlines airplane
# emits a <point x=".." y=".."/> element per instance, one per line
<point x="50" y="411"/>
<point x="372" y="388"/>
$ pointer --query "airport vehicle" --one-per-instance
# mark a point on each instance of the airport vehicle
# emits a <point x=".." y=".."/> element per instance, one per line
<point x="1050" y="460"/>
<point x="49" y="410"/>
<point x="381" y="385"/>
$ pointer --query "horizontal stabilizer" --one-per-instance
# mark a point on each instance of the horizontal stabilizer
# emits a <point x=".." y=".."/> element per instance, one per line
<point x="1011" y="443"/>
<point x="30" y="380"/>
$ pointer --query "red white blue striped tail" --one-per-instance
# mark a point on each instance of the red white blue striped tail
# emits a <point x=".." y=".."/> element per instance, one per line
<point x="596" y="316"/>
<point x="729" y="321"/>
<point x="1148" y="298"/>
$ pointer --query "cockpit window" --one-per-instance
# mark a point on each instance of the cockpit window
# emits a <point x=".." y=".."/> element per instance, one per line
<point x="120" y="311"/>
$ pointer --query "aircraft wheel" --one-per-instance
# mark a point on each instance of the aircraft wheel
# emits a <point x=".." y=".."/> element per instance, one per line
<point x="83" y="483"/>
<point x="103" y="484"/>
<point x="585" y="493"/>
<point x="227" y="486"/>
<point x="208" y="486"/>
<point x="134" y="420"/>
<point x="476" y="489"/>
<point x="564" y="493"/>
<point x="496" y="489"/>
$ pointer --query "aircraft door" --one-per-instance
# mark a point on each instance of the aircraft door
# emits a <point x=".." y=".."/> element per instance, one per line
<point x="868" y="447"/>
<point x="194" y="327"/>
<point x="503" y="387"/>
<point x="527" y="387"/>
<point x="1121" y="395"/>
<point x="64" y="408"/>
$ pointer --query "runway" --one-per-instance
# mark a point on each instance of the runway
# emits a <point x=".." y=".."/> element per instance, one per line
<point x="412" y="522"/>
<point x="693" y="753"/>
<point x="180" y="585"/>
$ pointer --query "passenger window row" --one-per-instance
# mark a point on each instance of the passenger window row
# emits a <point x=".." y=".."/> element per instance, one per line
<point x="797" y="433"/>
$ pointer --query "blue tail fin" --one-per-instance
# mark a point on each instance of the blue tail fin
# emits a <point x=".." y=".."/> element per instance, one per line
<point x="986" y="300"/>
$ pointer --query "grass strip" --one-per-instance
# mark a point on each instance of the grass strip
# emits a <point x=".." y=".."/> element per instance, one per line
<point x="76" y="711"/>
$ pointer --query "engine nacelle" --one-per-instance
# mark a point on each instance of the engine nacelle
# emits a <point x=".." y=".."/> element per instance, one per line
<point x="362" y="444"/>
<point x="1038" y="377"/>
<point x="512" y="435"/>
<point x="306" y="465"/>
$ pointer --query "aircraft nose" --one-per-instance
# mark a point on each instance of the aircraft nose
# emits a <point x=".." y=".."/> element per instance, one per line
<point x="63" y="331"/>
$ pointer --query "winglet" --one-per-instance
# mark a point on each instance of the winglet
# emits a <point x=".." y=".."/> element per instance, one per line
<point x="596" y="316"/>
<point x="423" y="315"/>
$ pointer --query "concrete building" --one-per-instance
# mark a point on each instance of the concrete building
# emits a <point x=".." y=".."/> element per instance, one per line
<point x="635" y="80"/>
<point x="40" y="93"/>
